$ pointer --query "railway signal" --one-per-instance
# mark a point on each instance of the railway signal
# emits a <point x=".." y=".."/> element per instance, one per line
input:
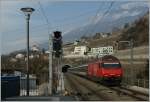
<point x="57" y="43"/>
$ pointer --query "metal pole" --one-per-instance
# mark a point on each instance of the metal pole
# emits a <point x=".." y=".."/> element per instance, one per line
<point x="58" y="75"/>
<point x="50" y="64"/>
<point x="131" y="62"/>
<point x="27" y="19"/>
<point x="131" y="46"/>
<point x="62" y="76"/>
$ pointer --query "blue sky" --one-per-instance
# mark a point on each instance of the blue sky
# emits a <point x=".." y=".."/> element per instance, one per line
<point x="62" y="15"/>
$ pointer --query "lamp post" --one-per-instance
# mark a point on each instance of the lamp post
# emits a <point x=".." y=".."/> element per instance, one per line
<point x="130" y="42"/>
<point x="27" y="11"/>
<point x="131" y="49"/>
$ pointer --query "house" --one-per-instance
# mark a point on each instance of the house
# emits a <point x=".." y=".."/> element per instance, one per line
<point x="107" y="50"/>
<point x="105" y="34"/>
<point x="35" y="48"/>
<point x="19" y="56"/>
<point x="81" y="50"/>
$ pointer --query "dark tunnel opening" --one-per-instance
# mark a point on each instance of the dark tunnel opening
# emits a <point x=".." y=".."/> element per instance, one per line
<point x="65" y="68"/>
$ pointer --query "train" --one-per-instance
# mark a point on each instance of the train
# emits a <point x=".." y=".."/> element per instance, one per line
<point x="107" y="70"/>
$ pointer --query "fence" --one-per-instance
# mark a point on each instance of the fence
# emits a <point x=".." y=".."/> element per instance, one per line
<point x="34" y="88"/>
<point x="136" y="76"/>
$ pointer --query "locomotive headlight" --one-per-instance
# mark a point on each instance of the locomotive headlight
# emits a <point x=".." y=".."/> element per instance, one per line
<point x="105" y="75"/>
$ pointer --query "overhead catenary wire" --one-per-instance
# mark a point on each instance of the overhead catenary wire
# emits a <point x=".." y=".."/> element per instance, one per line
<point x="47" y="22"/>
<point x="76" y="16"/>
<point x="104" y="14"/>
<point x="94" y="17"/>
<point x="43" y="12"/>
<point x="33" y="29"/>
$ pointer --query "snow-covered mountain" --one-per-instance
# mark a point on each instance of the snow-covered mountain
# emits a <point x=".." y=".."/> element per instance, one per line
<point x="104" y="25"/>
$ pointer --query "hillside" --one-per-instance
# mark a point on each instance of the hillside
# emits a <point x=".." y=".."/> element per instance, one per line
<point x="139" y="31"/>
<point x="102" y="26"/>
<point x="117" y="28"/>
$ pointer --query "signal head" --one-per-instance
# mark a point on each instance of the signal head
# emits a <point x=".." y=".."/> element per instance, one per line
<point x="57" y="35"/>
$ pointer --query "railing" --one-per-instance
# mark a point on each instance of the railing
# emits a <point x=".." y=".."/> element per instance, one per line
<point x="135" y="77"/>
<point x="142" y="83"/>
<point x="35" y="89"/>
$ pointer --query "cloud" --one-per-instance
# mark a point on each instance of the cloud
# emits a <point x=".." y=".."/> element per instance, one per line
<point x="13" y="24"/>
<point x="22" y="41"/>
<point x="98" y="17"/>
<point x="135" y="13"/>
<point x="117" y="15"/>
<point x="94" y="19"/>
<point x="131" y="5"/>
<point x="13" y="19"/>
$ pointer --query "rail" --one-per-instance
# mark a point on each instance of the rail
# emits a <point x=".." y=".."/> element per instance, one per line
<point x="123" y="90"/>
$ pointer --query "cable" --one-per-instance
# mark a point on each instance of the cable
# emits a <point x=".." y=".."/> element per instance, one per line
<point x="42" y="10"/>
<point x="47" y="22"/>
<point x="77" y="16"/>
<point x="105" y="13"/>
<point x="99" y="9"/>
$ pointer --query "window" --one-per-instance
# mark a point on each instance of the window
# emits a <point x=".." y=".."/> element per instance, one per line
<point x="111" y="65"/>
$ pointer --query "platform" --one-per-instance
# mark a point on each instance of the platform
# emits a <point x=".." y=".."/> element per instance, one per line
<point x="42" y="98"/>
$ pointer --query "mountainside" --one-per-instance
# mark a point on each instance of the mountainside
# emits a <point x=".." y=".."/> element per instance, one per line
<point x="138" y="31"/>
<point x="100" y="26"/>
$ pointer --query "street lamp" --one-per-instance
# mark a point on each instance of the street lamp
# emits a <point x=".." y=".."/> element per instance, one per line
<point x="27" y="11"/>
<point x="131" y="48"/>
<point x="130" y="42"/>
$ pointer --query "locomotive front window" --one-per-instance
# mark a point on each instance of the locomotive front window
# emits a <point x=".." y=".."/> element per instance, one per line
<point x="111" y="65"/>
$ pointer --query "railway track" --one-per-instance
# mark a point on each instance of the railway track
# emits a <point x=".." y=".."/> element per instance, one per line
<point x="103" y="92"/>
<point x="124" y="90"/>
<point x="82" y="92"/>
<point x="136" y="94"/>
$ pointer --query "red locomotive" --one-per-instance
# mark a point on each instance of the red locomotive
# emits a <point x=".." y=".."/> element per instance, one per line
<point x="108" y="69"/>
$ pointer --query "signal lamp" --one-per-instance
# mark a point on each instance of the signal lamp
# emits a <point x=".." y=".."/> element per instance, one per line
<point x="57" y="35"/>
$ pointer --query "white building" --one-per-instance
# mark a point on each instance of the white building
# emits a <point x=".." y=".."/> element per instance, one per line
<point x="102" y="50"/>
<point x="35" y="48"/>
<point x="104" y="35"/>
<point x="47" y="52"/>
<point x="80" y="50"/>
<point x="13" y="59"/>
<point x="76" y="42"/>
<point x="19" y="56"/>
<point x="31" y="56"/>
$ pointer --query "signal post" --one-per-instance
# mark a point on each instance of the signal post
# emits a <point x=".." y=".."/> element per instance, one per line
<point x="57" y="48"/>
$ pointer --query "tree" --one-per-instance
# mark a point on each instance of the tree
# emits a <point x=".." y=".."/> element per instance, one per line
<point x="43" y="51"/>
<point x="115" y="29"/>
<point x="126" y="25"/>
